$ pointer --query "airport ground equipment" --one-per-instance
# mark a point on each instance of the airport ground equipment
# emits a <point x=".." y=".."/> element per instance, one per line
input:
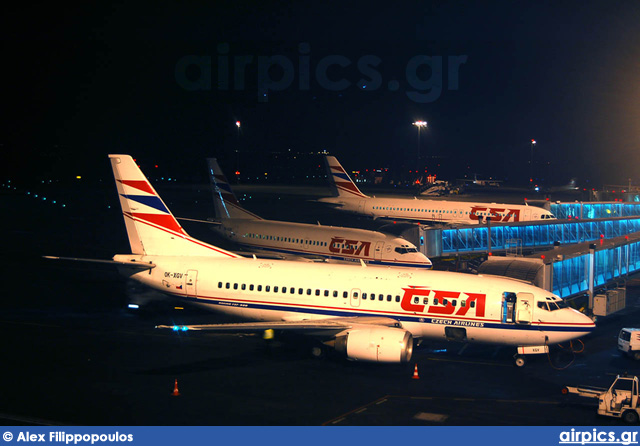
<point x="620" y="400"/>
<point x="629" y="342"/>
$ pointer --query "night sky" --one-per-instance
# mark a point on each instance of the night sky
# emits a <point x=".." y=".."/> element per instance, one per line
<point x="83" y="82"/>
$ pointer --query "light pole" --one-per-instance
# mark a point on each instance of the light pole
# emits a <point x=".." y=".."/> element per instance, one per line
<point x="420" y="125"/>
<point x="533" y="143"/>
<point x="238" y="147"/>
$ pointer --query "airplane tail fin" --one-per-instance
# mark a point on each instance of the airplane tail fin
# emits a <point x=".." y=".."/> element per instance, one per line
<point x="341" y="183"/>
<point x="151" y="227"/>
<point x="224" y="200"/>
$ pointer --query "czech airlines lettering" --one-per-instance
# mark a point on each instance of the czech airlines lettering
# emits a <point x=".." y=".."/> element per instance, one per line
<point x="354" y="247"/>
<point x="411" y="301"/>
<point x="494" y="213"/>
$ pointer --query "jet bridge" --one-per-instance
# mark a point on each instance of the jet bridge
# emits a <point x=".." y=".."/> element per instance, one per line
<point x="517" y="237"/>
<point x="580" y="269"/>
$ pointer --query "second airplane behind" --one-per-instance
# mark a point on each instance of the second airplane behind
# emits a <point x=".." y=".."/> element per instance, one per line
<point x="311" y="241"/>
<point x="347" y="197"/>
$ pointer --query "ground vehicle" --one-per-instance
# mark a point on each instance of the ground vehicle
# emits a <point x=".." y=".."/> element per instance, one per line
<point x="629" y="342"/>
<point x="620" y="400"/>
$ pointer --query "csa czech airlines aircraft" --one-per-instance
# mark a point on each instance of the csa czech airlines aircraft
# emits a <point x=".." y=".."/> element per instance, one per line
<point x="347" y="197"/>
<point x="328" y="242"/>
<point x="366" y="313"/>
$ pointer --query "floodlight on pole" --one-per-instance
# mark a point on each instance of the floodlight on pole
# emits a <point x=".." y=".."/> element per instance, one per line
<point x="420" y="125"/>
<point x="533" y="143"/>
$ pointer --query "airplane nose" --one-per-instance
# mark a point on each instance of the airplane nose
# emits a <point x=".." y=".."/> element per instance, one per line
<point x="585" y="321"/>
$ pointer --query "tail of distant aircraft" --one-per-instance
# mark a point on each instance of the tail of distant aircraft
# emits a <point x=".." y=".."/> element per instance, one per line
<point x="341" y="183"/>
<point x="151" y="227"/>
<point x="224" y="200"/>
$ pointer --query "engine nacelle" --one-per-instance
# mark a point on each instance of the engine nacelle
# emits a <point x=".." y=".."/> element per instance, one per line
<point x="377" y="344"/>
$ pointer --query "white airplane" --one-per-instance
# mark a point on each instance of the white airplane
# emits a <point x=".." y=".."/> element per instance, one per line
<point x="347" y="197"/>
<point x="286" y="238"/>
<point x="366" y="313"/>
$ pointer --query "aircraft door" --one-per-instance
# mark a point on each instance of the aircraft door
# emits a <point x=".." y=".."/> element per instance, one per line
<point x="361" y="206"/>
<point x="190" y="281"/>
<point x="527" y="213"/>
<point x="355" y="297"/>
<point x="524" y="308"/>
<point x="377" y="252"/>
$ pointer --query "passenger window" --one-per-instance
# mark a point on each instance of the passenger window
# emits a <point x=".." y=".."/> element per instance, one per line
<point x="275" y="289"/>
<point x="454" y="302"/>
<point x="416" y="300"/>
<point x="435" y="301"/>
<point x="364" y="296"/>
<point x="355" y="294"/>
<point x="326" y="293"/>
<point x="300" y="290"/>
<point x="228" y="285"/>
<point x="472" y="304"/>
<point x="317" y="292"/>
<point x="284" y="289"/>
<point x="463" y="303"/>
<point x="235" y="286"/>
<point x="219" y="284"/>
<point x="267" y="288"/>
<point x="389" y="297"/>
<point x="259" y="287"/>
<point x="251" y="287"/>
<point x="244" y="287"/>
<point x="335" y="293"/>
<point x="308" y="291"/>
<point x="380" y="297"/>
<point x="397" y="298"/>
<point x="292" y="290"/>
<point x="345" y="294"/>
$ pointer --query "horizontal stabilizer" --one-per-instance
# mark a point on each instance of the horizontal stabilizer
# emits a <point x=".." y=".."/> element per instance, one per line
<point x="131" y="264"/>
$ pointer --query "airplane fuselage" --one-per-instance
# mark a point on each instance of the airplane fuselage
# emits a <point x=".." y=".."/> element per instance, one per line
<point x="457" y="212"/>
<point x="329" y="242"/>
<point x="429" y="304"/>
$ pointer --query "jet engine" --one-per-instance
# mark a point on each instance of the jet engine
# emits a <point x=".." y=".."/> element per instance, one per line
<point x="377" y="344"/>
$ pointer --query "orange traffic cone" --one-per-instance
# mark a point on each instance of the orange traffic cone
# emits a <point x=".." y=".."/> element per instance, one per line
<point x="415" y="373"/>
<point x="175" y="389"/>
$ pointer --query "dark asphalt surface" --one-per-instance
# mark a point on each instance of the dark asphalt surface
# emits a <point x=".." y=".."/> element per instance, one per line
<point x="74" y="354"/>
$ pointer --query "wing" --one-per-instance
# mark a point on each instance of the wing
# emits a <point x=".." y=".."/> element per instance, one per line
<point x="325" y="326"/>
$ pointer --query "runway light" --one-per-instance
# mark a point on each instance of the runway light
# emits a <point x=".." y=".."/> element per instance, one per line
<point x="133" y="306"/>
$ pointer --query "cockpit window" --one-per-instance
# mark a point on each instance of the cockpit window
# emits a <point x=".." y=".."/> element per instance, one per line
<point x="405" y="249"/>
<point x="552" y="304"/>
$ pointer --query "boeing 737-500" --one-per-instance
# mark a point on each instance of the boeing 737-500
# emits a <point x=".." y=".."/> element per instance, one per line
<point x="347" y="197"/>
<point x="367" y="313"/>
<point x="300" y="239"/>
